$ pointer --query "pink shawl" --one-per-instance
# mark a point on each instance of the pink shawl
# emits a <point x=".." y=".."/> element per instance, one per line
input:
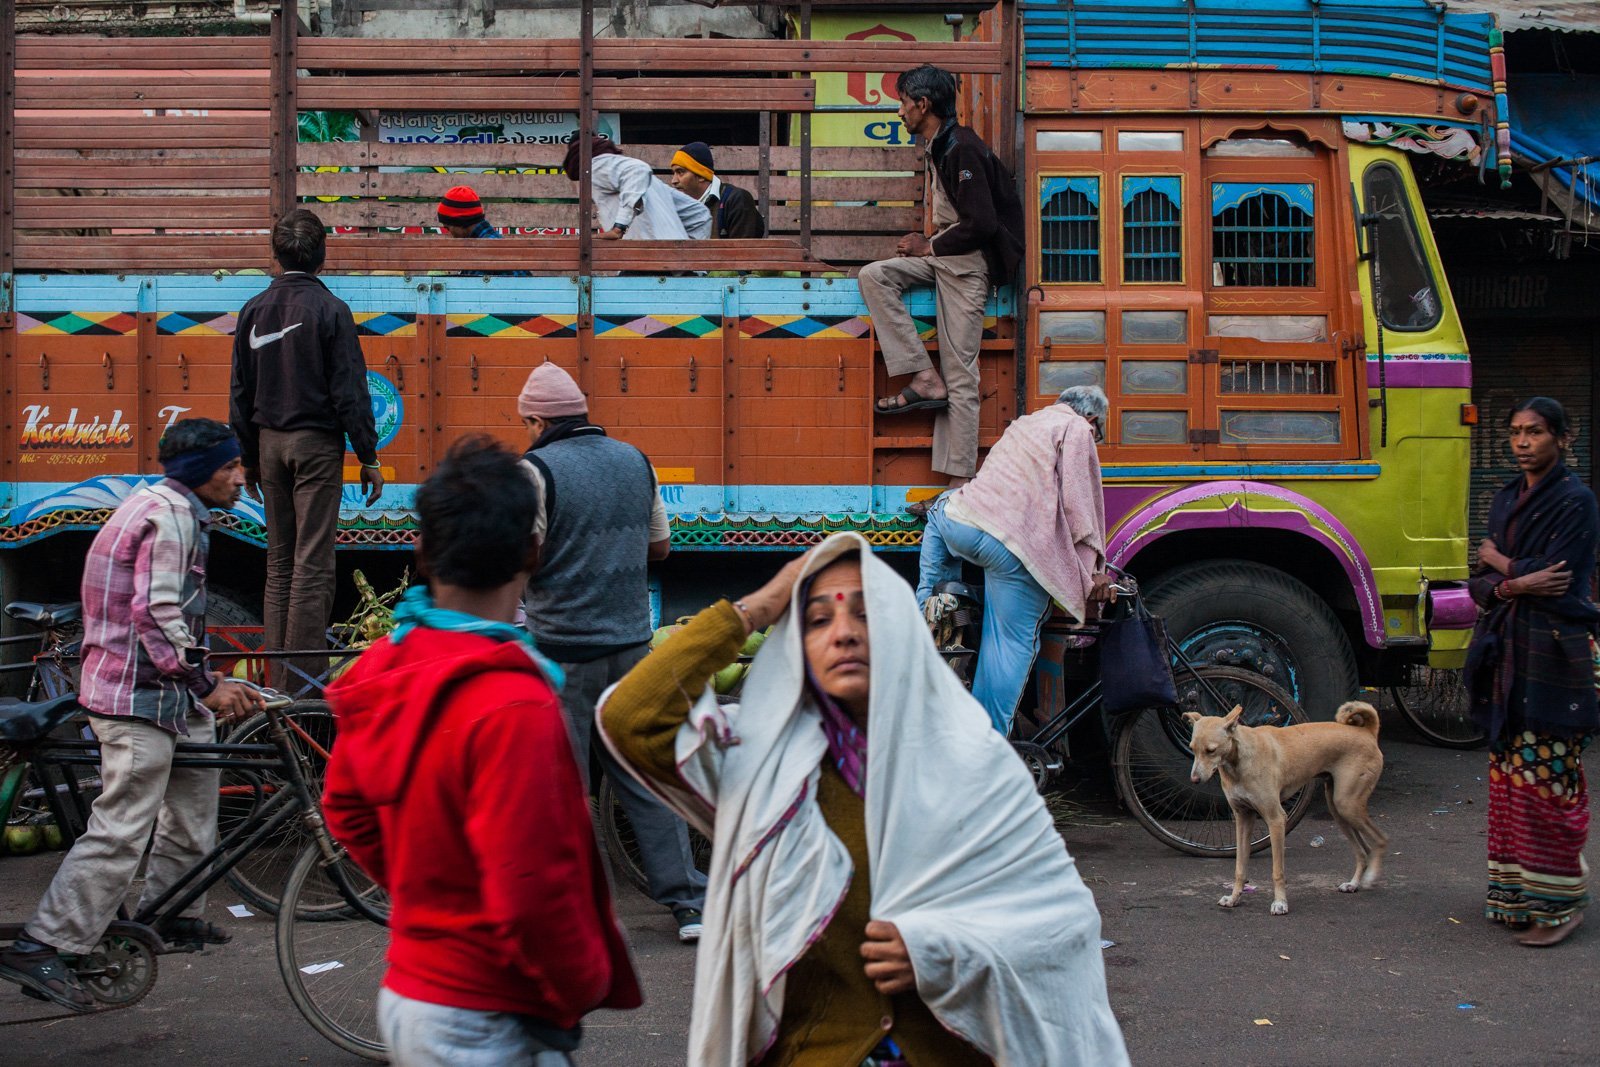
<point x="1038" y="493"/>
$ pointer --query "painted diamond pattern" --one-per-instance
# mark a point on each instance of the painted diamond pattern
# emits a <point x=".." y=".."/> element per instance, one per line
<point x="197" y="324"/>
<point x="550" y="326"/>
<point x="477" y="326"/>
<point x="386" y="324"/>
<point x="833" y="327"/>
<point x="658" y="326"/>
<point x="80" y="323"/>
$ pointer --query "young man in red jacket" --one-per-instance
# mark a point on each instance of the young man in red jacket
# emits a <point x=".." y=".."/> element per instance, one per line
<point x="455" y="787"/>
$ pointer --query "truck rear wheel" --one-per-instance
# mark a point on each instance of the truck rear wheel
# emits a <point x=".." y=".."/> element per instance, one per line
<point x="1240" y="614"/>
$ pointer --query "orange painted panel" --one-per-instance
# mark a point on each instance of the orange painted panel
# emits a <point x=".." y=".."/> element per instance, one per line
<point x="75" y="409"/>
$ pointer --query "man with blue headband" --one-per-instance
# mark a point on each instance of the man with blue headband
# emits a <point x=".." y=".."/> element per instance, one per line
<point x="145" y="686"/>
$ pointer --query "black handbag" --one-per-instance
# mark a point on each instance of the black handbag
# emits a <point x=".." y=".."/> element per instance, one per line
<point x="1135" y="672"/>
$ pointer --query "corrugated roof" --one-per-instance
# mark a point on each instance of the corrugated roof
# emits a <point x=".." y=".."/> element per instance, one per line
<point x="1568" y="16"/>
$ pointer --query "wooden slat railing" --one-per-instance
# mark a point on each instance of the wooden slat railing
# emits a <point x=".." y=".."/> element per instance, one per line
<point x="659" y="55"/>
<point x="178" y="171"/>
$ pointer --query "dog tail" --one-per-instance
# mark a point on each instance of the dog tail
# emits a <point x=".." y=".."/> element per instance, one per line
<point x="1358" y="713"/>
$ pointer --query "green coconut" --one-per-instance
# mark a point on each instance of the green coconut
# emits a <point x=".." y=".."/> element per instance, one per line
<point x="724" y="681"/>
<point x="753" y="643"/>
<point x="22" y="839"/>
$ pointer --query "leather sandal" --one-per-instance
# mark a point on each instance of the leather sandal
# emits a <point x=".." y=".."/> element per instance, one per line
<point x="44" y="975"/>
<point x="911" y="400"/>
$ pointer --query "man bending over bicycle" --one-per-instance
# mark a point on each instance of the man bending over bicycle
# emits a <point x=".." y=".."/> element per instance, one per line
<point x="1035" y="521"/>
<point x="144" y="597"/>
<point x="455" y="787"/>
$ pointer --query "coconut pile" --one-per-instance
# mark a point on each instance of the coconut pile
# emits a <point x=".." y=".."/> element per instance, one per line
<point x="726" y="682"/>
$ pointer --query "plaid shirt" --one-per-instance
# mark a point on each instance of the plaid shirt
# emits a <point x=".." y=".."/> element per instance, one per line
<point x="144" y="607"/>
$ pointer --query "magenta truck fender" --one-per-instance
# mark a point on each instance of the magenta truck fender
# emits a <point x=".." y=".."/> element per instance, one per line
<point x="1228" y="505"/>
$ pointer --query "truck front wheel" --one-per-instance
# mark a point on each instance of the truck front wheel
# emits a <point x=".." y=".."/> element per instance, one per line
<point x="1240" y="614"/>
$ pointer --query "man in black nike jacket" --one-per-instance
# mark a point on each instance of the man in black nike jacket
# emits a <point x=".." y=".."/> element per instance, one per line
<point x="299" y="389"/>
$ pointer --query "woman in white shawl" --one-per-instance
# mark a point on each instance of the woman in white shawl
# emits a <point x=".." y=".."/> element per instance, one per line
<point x="887" y="887"/>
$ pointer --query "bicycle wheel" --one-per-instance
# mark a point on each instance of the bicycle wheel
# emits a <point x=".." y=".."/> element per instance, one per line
<point x="333" y="966"/>
<point x="622" y="845"/>
<point x="1434" y="702"/>
<point x="1152" y="760"/>
<point x="259" y="876"/>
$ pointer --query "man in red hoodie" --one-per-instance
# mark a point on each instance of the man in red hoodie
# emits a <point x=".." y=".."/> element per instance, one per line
<point x="455" y="787"/>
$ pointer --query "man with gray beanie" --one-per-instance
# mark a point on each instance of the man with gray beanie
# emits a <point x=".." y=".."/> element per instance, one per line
<point x="1034" y="519"/>
<point x="601" y="521"/>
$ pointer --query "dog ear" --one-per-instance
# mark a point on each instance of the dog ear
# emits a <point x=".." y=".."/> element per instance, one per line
<point x="1191" y="716"/>
<point x="1232" y="718"/>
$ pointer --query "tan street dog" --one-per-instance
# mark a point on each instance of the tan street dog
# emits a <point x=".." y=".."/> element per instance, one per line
<point x="1260" y="765"/>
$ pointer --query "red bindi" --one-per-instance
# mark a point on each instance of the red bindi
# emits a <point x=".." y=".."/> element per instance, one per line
<point x="838" y="596"/>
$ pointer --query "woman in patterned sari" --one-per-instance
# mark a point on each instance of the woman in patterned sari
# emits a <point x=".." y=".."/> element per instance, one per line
<point x="1531" y="672"/>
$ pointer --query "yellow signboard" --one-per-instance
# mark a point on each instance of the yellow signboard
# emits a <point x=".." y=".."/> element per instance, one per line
<point x="866" y="92"/>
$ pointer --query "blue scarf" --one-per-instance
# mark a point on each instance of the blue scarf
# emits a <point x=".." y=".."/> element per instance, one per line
<point x="194" y="468"/>
<point x="416" y="608"/>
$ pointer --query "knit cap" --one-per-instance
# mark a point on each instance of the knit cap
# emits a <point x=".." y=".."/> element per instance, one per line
<point x="461" y="207"/>
<point x="695" y="158"/>
<point x="550" y="393"/>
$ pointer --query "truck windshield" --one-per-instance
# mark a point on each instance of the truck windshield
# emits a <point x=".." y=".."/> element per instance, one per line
<point x="1409" y="297"/>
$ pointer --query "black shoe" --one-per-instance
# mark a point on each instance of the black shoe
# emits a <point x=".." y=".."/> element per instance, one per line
<point x="43" y="976"/>
<point x="689" y="924"/>
<point x="190" y="931"/>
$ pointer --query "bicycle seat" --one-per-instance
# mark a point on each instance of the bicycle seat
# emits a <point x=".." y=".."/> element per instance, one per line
<point x="961" y="591"/>
<point x="24" y="721"/>
<point x="45" y="616"/>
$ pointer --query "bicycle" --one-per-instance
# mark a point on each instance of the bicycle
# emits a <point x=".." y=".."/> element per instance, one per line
<point x="1150" y="748"/>
<point x="121" y="970"/>
<point x="52" y="673"/>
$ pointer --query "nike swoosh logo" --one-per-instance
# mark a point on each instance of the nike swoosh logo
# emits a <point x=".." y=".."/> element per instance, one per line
<point x="268" y="338"/>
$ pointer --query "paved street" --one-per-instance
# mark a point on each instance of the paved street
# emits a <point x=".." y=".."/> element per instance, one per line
<point x="1407" y="974"/>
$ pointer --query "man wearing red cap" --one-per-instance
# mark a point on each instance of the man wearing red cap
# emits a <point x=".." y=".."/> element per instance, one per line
<point x="601" y="521"/>
<point x="461" y="215"/>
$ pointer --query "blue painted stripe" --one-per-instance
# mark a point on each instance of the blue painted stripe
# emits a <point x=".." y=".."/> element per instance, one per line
<point x="613" y="297"/>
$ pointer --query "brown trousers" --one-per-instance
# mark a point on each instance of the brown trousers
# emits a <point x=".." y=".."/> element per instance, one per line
<point x="302" y="477"/>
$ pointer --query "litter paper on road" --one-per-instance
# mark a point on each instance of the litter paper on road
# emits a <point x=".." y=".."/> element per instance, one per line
<point x="1104" y="944"/>
<point x="239" y="911"/>
<point x="318" y="968"/>
<point x="1263" y="1022"/>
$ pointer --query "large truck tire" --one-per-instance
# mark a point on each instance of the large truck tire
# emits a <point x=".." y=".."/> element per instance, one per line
<point x="1241" y="614"/>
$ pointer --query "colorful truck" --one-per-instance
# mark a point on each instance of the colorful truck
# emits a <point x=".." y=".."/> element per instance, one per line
<point x="1226" y="234"/>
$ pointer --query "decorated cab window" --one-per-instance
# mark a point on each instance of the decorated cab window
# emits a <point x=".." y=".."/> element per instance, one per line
<point x="1069" y="228"/>
<point x="1262" y="234"/>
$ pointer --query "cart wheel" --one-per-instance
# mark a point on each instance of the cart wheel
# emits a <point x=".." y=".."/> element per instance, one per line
<point x="1151" y="758"/>
<point x="1434" y="702"/>
<point x="623" y="846"/>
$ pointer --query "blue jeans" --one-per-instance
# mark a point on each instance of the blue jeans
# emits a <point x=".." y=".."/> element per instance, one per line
<point x="420" y="1034"/>
<point x="1014" y="607"/>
